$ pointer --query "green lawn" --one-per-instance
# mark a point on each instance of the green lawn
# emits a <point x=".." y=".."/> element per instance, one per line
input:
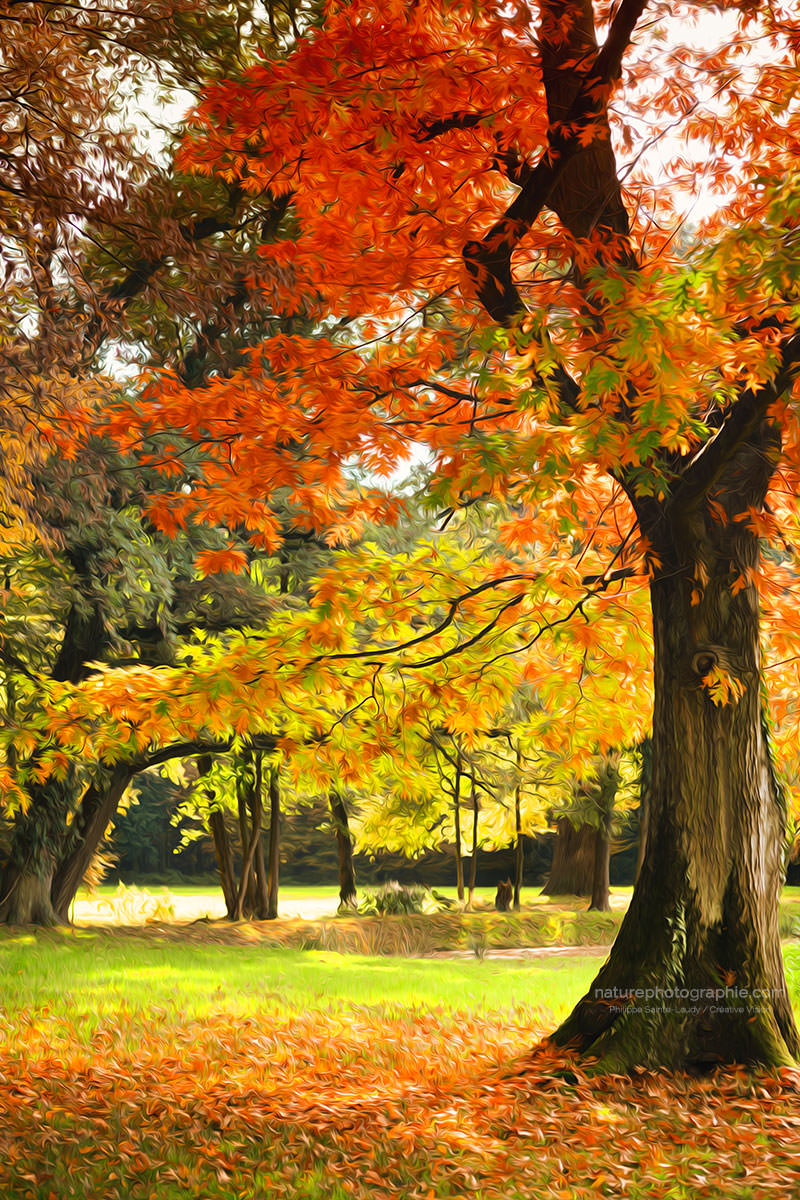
<point x="89" y="976"/>
<point x="86" y="977"/>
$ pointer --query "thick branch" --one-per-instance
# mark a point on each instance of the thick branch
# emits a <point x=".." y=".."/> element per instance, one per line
<point x="489" y="261"/>
<point x="741" y="421"/>
<point x="152" y="758"/>
<point x="97" y="808"/>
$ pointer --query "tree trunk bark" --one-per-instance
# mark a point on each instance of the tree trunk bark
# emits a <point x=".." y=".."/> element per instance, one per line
<point x="36" y="838"/>
<point x="572" y="869"/>
<point x="344" y="850"/>
<point x="601" y="887"/>
<point x="473" y="866"/>
<point x="257" y="813"/>
<point x="644" y="823"/>
<point x="274" y="861"/>
<point x="247" y="882"/>
<point x="222" y="846"/>
<point x="457" y="822"/>
<point x="696" y="977"/>
<point x="97" y="808"/>
<point x="25" y="895"/>
<point x="605" y="794"/>
<point x="518" y="862"/>
<point x="646" y="752"/>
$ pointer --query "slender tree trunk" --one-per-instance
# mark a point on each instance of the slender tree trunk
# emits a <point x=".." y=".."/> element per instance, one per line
<point x="457" y="822"/>
<point x="518" y="859"/>
<point x="274" y="861"/>
<point x="473" y="866"/>
<point x="695" y="976"/>
<point x="247" y="880"/>
<point x="606" y="795"/>
<point x="344" y="850"/>
<point x="222" y="847"/>
<point x="248" y="857"/>
<point x="97" y="808"/>
<point x="257" y="817"/>
<point x="572" y="869"/>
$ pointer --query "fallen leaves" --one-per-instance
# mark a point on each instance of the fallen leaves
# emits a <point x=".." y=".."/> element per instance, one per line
<point x="362" y="1103"/>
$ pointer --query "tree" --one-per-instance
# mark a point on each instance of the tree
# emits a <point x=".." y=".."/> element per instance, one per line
<point x="446" y="151"/>
<point x="344" y="851"/>
<point x="98" y="244"/>
<point x="582" y="850"/>
<point x="117" y="592"/>
<point x="574" y="852"/>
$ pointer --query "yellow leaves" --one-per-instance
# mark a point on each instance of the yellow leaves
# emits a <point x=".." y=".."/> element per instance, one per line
<point x="723" y="687"/>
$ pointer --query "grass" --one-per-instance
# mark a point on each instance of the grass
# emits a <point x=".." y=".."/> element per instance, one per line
<point x="88" y="976"/>
<point x="85" y="977"/>
<point x="167" y="1064"/>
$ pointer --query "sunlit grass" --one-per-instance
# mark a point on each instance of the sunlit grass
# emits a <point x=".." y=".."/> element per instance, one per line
<point x="86" y="976"/>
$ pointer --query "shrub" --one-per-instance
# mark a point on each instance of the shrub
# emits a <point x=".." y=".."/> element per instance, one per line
<point x="395" y="899"/>
<point x="131" y="905"/>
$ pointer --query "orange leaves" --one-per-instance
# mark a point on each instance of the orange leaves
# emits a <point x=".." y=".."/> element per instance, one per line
<point x="210" y="562"/>
<point x="371" y="1106"/>
<point x="360" y="109"/>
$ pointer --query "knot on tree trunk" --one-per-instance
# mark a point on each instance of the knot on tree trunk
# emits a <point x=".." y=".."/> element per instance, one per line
<point x="710" y="657"/>
<point x="704" y="662"/>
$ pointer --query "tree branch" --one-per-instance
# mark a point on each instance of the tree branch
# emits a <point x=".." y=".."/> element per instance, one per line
<point x="740" y="422"/>
<point x="489" y="260"/>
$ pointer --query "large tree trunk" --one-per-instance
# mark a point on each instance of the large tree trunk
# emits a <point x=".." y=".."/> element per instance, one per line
<point x="704" y="913"/>
<point x="25" y="894"/>
<point x="97" y="808"/>
<point x="36" y="839"/>
<point x="344" y="851"/>
<point x="572" y="869"/>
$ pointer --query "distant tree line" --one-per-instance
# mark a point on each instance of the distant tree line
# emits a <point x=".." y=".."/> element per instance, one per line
<point x="149" y="845"/>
